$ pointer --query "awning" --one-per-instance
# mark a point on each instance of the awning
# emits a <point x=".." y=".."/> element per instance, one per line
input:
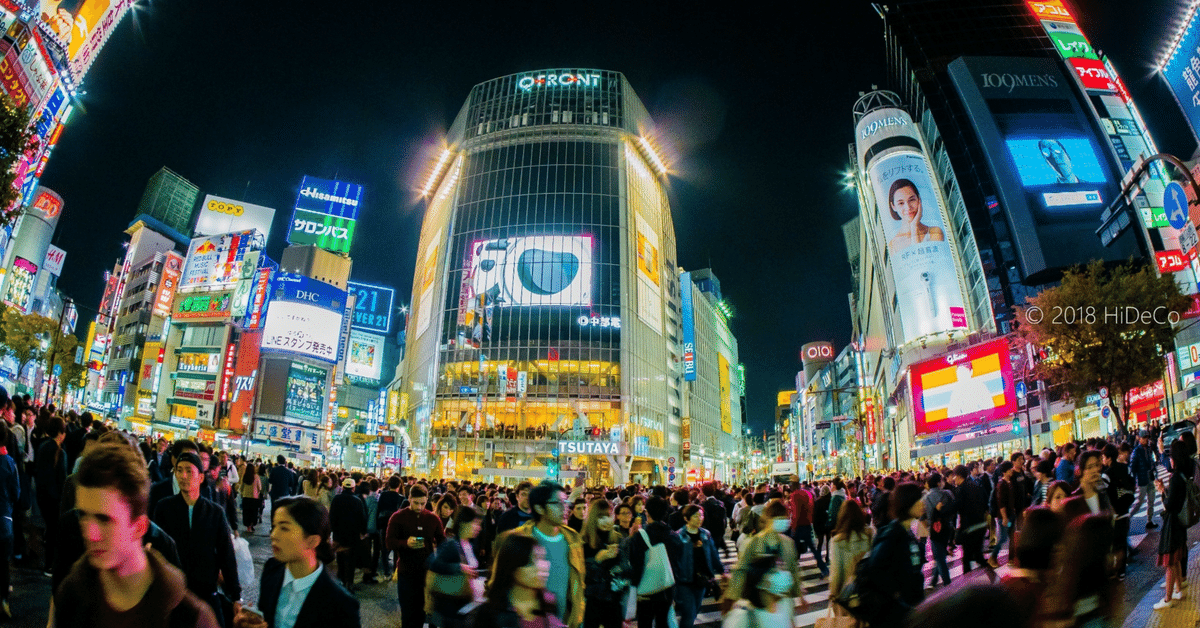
<point x="938" y="449"/>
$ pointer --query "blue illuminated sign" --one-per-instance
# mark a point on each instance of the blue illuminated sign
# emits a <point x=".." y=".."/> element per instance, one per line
<point x="298" y="288"/>
<point x="373" y="307"/>
<point x="689" y="327"/>
<point x="1054" y="160"/>
<point x="1182" y="75"/>
<point x="335" y="198"/>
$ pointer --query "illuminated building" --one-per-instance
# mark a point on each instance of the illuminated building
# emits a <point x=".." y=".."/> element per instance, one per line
<point x="981" y="173"/>
<point x="546" y="299"/>
<point x="170" y="199"/>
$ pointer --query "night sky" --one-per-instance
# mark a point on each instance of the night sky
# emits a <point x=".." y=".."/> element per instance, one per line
<point x="245" y="98"/>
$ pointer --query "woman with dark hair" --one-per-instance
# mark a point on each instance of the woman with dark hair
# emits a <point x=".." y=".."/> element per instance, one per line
<point x="1081" y="592"/>
<point x="638" y="503"/>
<point x="1172" y="541"/>
<point x="606" y="582"/>
<point x="296" y="587"/>
<point x="904" y="204"/>
<point x="250" y="489"/>
<point x="1056" y="495"/>
<point x="821" y="527"/>
<point x="1033" y="552"/>
<point x="445" y="509"/>
<point x="851" y="541"/>
<point x="625" y="521"/>
<point x="763" y="600"/>
<point x="894" y="563"/>
<point x="516" y="593"/>
<point x="456" y="557"/>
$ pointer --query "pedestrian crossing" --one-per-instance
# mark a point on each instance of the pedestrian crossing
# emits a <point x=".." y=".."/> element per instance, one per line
<point x="817" y="588"/>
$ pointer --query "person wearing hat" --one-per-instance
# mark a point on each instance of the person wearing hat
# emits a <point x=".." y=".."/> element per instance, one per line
<point x="348" y="518"/>
<point x="201" y="534"/>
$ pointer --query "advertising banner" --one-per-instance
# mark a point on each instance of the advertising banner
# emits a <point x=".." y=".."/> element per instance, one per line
<point x="305" y="392"/>
<point x="11" y="78"/>
<point x="19" y="284"/>
<point x="224" y="215"/>
<point x="532" y="271"/>
<point x="1069" y="41"/>
<point x="1093" y="74"/>
<point x="288" y="434"/>
<point x="1181" y="72"/>
<point x="164" y="297"/>
<point x="963" y="389"/>
<point x="332" y="198"/>
<point x="921" y="260"/>
<point x="54" y="260"/>
<point x="260" y="299"/>
<point x="332" y="233"/>
<point x="689" y="327"/>
<point x="726" y="393"/>
<point x="203" y="306"/>
<point x="373" y="307"/>
<point x="216" y="261"/>
<point x="40" y="76"/>
<point x="245" y="378"/>
<point x="649" y="295"/>
<point x="245" y="284"/>
<point x="93" y="23"/>
<point x="305" y="318"/>
<point x="366" y="355"/>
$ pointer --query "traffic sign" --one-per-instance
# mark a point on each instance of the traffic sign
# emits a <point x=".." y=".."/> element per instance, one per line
<point x="1175" y="205"/>
<point x="58" y="370"/>
<point x="671" y="477"/>
<point x="671" y="460"/>
<point x="1105" y="411"/>
<point x="1104" y="392"/>
<point x="1020" y="388"/>
<point x="1188" y="237"/>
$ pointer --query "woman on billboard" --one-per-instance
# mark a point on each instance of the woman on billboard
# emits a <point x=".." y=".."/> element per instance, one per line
<point x="904" y="203"/>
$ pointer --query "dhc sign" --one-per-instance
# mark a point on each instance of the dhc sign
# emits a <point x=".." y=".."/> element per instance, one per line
<point x="567" y="447"/>
<point x="566" y="79"/>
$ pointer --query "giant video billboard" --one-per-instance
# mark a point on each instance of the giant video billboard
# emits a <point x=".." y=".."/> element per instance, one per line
<point x="963" y="389"/>
<point x="305" y="318"/>
<point x="1051" y="173"/>
<point x="911" y="221"/>
<point x="1181" y="73"/>
<point x="532" y="271"/>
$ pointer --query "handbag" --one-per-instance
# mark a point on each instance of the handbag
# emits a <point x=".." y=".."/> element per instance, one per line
<point x="836" y="621"/>
<point x="456" y="586"/>
<point x="657" y="575"/>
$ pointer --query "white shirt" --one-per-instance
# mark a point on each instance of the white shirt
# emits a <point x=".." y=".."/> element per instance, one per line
<point x="292" y="595"/>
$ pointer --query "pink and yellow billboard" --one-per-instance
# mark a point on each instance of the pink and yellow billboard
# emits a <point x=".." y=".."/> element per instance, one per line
<point x="963" y="388"/>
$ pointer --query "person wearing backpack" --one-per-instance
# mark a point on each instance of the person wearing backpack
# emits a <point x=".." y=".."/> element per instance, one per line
<point x="939" y="513"/>
<point x="1172" y="541"/>
<point x="835" y="503"/>
<point x="652" y="570"/>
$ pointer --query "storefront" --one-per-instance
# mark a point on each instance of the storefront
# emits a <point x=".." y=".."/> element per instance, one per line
<point x="1146" y="404"/>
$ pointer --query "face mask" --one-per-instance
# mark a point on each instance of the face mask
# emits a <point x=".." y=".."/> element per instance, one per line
<point x="778" y="583"/>
<point x="781" y="525"/>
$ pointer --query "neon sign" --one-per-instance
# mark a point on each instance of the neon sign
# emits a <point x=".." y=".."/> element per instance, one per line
<point x="566" y="79"/>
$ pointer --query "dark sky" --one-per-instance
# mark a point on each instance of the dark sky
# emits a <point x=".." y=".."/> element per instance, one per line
<point x="244" y="98"/>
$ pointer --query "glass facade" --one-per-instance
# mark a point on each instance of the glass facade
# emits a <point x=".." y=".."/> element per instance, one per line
<point x="545" y="288"/>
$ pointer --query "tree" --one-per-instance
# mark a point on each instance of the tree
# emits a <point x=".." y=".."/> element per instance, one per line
<point x="1105" y="327"/>
<point x="17" y="140"/>
<point x="26" y="337"/>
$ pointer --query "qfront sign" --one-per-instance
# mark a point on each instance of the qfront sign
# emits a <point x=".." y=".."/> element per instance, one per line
<point x="600" y="448"/>
<point x="558" y="79"/>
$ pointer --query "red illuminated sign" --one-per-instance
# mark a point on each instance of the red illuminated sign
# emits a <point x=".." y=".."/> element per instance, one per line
<point x="49" y="204"/>
<point x="1171" y="261"/>
<point x="172" y="269"/>
<point x="870" y="421"/>
<point x="1050" y="10"/>
<point x="1093" y="74"/>
<point x="816" y="351"/>
<point x="245" y="374"/>
<point x="1145" y="394"/>
<point x="963" y="388"/>
<point x="227" y="374"/>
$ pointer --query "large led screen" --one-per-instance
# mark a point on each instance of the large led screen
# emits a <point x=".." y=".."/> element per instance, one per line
<point x="532" y="271"/>
<point x="1056" y="163"/>
<point x="365" y="359"/>
<point x="302" y="329"/>
<point x="963" y="389"/>
<point x="373" y="307"/>
<point x="920" y="257"/>
<point x="20" y="283"/>
<point x="305" y="392"/>
<point x="1180" y="72"/>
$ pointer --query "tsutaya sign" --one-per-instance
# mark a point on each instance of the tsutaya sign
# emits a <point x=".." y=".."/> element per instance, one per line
<point x="568" y="447"/>
<point x="565" y="79"/>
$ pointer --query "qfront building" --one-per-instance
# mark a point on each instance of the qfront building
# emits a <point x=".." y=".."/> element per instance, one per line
<point x="546" y="335"/>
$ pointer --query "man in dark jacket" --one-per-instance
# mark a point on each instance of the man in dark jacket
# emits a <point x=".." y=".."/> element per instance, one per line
<point x="280" y="478"/>
<point x="971" y="502"/>
<point x="714" y="517"/>
<point x="516" y="516"/>
<point x="201" y="534"/>
<point x="160" y="462"/>
<point x="50" y="464"/>
<point x="348" y="519"/>
<point x="73" y="443"/>
<point x="879" y="503"/>
<point x="1005" y="510"/>
<point x="113" y="489"/>
<point x="389" y="503"/>
<point x="1141" y="466"/>
<point x="169" y="486"/>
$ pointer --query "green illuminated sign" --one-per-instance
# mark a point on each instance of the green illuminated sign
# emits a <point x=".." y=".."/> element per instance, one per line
<point x="332" y="233"/>
<point x="1072" y="45"/>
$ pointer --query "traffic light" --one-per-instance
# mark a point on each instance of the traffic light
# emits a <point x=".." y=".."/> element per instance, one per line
<point x="1016" y="425"/>
<point x="552" y="466"/>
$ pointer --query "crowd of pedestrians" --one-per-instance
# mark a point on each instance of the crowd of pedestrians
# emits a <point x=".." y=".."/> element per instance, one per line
<point x="140" y="532"/>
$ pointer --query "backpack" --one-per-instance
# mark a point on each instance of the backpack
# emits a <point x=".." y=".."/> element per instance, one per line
<point x="657" y="575"/>
<point x="1189" y="515"/>
<point x="861" y="596"/>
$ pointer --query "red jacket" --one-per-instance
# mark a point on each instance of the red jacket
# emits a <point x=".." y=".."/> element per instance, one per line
<point x="802" y="508"/>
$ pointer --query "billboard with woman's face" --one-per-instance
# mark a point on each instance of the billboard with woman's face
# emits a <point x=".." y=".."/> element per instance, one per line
<point x="919" y="256"/>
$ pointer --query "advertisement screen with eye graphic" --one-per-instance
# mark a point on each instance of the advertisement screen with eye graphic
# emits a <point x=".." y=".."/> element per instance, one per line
<point x="533" y="270"/>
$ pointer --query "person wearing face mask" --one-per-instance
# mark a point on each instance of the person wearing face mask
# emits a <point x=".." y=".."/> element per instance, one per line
<point x="772" y="541"/>
<point x="764" y="600"/>
<point x="606" y="583"/>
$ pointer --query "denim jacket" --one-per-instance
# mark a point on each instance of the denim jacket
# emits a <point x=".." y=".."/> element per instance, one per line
<point x="685" y="571"/>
